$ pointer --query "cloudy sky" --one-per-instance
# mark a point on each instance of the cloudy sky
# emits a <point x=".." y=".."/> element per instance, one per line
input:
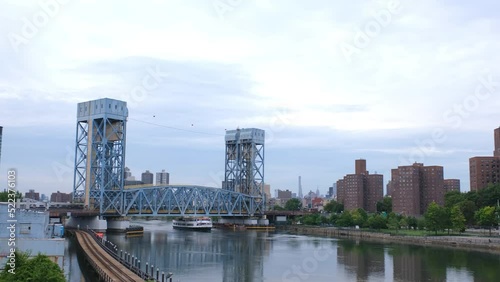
<point x="389" y="81"/>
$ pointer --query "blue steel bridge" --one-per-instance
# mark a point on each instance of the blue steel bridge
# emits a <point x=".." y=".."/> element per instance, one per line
<point x="100" y="169"/>
<point x="173" y="200"/>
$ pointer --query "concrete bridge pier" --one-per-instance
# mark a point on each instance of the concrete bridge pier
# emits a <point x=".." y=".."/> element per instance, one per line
<point x="118" y="224"/>
<point x="91" y="222"/>
<point x="245" y="221"/>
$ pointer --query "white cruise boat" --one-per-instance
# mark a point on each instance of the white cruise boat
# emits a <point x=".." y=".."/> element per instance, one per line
<point x="193" y="223"/>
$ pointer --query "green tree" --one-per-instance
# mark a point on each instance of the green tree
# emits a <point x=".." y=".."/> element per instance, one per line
<point x="345" y="219"/>
<point x="385" y="205"/>
<point x="334" y="207"/>
<point x="453" y="198"/>
<point x="412" y="222"/>
<point x="435" y="217"/>
<point x="468" y="209"/>
<point x="421" y="223"/>
<point x="278" y="208"/>
<point x="38" y="268"/>
<point x="457" y="219"/>
<point x="486" y="217"/>
<point x="333" y="218"/>
<point x="4" y="196"/>
<point x="359" y="217"/>
<point x="393" y="223"/>
<point x="403" y="223"/>
<point x="377" y="221"/>
<point x="293" y="205"/>
<point x="488" y="196"/>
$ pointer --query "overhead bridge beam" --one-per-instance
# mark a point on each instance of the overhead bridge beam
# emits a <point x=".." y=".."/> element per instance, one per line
<point x="180" y="200"/>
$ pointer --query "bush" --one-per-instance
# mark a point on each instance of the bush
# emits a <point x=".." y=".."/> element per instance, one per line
<point x="39" y="268"/>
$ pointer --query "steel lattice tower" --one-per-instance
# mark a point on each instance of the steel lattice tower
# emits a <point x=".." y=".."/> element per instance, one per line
<point x="100" y="153"/>
<point x="244" y="170"/>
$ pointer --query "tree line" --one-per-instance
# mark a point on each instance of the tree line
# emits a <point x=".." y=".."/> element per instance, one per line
<point x="473" y="209"/>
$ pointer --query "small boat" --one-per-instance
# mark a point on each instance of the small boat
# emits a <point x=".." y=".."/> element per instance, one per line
<point x="134" y="230"/>
<point x="193" y="223"/>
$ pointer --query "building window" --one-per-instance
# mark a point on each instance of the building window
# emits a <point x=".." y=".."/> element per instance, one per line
<point x="25" y="228"/>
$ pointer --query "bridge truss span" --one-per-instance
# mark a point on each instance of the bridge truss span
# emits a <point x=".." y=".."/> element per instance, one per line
<point x="180" y="200"/>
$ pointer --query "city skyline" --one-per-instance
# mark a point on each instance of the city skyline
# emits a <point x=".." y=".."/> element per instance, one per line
<point x="422" y="87"/>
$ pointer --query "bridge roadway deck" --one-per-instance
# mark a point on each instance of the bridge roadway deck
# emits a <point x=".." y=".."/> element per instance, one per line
<point x="107" y="267"/>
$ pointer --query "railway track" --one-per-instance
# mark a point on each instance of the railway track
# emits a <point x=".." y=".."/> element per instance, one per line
<point x="109" y="267"/>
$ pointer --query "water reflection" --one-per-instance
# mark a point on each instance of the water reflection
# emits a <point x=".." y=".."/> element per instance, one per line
<point x="361" y="258"/>
<point x="261" y="256"/>
<point x="417" y="263"/>
<point x="192" y="254"/>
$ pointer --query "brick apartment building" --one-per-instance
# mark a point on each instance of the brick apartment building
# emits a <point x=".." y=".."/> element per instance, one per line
<point x="60" y="197"/>
<point x="361" y="189"/>
<point x="415" y="186"/>
<point x="32" y="195"/>
<point x="485" y="170"/>
<point x="451" y="185"/>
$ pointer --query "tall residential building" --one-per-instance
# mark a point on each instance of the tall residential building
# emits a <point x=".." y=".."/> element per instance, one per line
<point x="389" y="188"/>
<point x="485" y="170"/>
<point x="284" y="194"/>
<point x="340" y="190"/>
<point x="162" y="178"/>
<point x="360" y="167"/>
<point x="415" y="186"/>
<point x="451" y="185"/>
<point x="147" y="177"/>
<point x="360" y="190"/>
<point x="496" y="134"/>
<point x="32" y="195"/>
<point x="60" y="197"/>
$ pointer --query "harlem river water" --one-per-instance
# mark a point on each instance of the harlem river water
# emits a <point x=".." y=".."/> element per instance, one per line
<point x="223" y="255"/>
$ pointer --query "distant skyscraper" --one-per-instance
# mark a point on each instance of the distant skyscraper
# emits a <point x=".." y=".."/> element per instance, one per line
<point x="267" y="191"/>
<point x="147" y="177"/>
<point x="127" y="174"/>
<point x="332" y="191"/>
<point x="162" y="178"/>
<point x="300" y="188"/>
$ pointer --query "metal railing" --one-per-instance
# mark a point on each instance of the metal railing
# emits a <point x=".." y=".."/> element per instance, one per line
<point x="129" y="261"/>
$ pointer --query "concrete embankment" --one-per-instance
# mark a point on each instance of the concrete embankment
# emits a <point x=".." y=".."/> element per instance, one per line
<point x="490" y="244"/>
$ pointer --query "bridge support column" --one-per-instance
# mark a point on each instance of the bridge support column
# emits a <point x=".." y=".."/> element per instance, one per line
<point x="118" y="224"/>
<point x="91" y="222"/>
<point x="245" y="221"/>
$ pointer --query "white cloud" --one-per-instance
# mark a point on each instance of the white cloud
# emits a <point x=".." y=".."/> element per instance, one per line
<point x="270" y="64"/>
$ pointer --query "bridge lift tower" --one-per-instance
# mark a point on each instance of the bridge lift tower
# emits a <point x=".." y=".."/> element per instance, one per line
<point x="244" y="169"/>
<point x="100" y="153"/>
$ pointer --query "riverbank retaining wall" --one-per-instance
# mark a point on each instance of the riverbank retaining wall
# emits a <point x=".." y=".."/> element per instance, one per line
<point x="491" y="244"/>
